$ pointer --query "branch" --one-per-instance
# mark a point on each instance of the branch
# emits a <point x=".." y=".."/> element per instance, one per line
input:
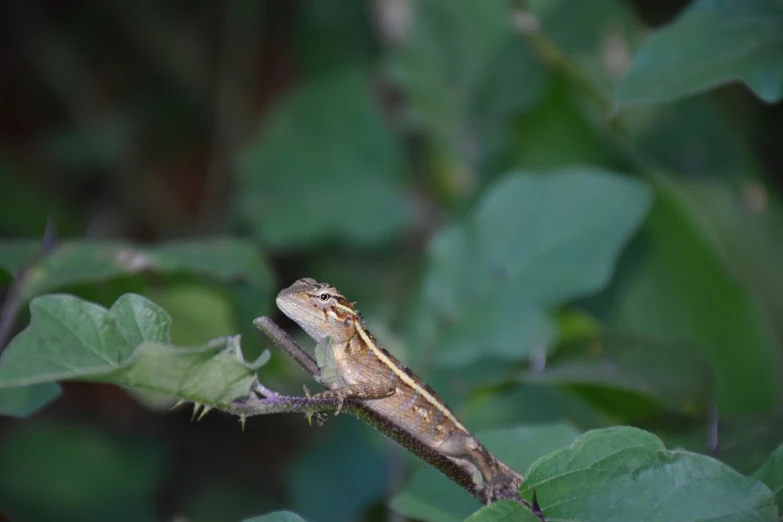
<point x="263" y="401"/>
<point x="284" y="341"/>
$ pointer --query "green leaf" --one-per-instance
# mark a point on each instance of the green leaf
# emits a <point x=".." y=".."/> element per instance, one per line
<point x="198" y="311"/>
<point x="74" y="473"/>
<point x="466" y="74"/>
<point x="744" y="441"/>
<point x="26" y="400"/>
<point x="771" y="474"/>
<point x="748" y="220"/>
<point x="15" y="255"/>
<point x="77" y="262"/>
<point x="693" y="139"/>
<point x="677" y="376"/>
<point x="69" y="338"/>
<point x="621" y="474"/>
<point x="533" y="404"/>
<point x="325" y="145"/>
<point x="597" y="36"/>
<point x="673" y="288"/>
<point x="716" y="167"/>
<point x="503" y="511"/>
<point x="711" y="43"/>
<point x="277" y="516"/>
<point x="432" y="497"/>
<point x="532" y="243"/>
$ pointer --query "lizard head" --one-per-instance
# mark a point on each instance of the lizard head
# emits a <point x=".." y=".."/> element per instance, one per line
<point x="319" y="309"/>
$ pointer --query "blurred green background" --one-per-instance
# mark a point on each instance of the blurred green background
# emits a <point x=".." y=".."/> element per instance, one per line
<point x="546" y="237"/>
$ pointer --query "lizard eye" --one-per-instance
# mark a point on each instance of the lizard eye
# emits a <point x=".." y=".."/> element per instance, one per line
<point x="324" y="296"/>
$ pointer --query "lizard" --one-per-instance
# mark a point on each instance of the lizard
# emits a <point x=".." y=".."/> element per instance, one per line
<point x="368" y="372"/>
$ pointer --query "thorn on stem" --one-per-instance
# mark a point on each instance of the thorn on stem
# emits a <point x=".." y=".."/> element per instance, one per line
<point x="196" y="408"/>
<point x="203" y="412"/>
<point x="242" y="419"/>
<point x="179" y="403"/>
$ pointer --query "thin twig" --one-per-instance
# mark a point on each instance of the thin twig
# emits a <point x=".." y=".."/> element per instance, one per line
<point x="13" y="298"/>
<point x="289" y="346"/>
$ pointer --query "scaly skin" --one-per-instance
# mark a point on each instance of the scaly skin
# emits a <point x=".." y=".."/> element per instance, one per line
<point x="368" y="372"/>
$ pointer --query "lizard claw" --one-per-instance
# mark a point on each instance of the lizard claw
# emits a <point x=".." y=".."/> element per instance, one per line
<point x="340" y="402"/>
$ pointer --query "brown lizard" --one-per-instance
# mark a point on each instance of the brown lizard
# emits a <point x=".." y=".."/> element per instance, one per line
<point x="368" y="372"/>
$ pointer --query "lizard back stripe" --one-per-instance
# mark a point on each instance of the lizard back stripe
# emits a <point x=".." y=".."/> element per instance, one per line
<point x="404" y="377"/>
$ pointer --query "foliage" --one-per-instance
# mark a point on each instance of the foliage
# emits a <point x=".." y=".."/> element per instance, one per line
<point x="712" y="42"/>
<point x="564" y="221"/>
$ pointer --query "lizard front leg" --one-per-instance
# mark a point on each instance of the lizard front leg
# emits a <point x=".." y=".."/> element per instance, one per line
<point x="366" y="391"/>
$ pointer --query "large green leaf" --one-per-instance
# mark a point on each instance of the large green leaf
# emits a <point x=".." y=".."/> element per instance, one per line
<point x="532" y="243"/>
<point x="621" y="474"/>
<point x="325" y="146"/>
<point x="534" y="404"/>
<point x="673" y="288"/>
<point x="716" y="166"/>
<point x="712" y="42"/>
<point x="77" y="262"/>
<point x="694" y="139"/>
<point x="676" y="376"/>
<point x="598" y="36"/>
<point x="771" y="473"/>
<point x="128" y="344"/>
<point x="748" y="220"/>
<point x="557" y="133"/>
<point x="744" y="442"/>
<point x="503" y="511"/>
<point x="26" y="400"/>
<point x="466" y="74"/>
<point x="431" y="497"/>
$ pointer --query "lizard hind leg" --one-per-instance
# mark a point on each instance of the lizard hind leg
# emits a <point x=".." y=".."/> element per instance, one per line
<point x="464" y="446"/>
<point x="499" y="481"/>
